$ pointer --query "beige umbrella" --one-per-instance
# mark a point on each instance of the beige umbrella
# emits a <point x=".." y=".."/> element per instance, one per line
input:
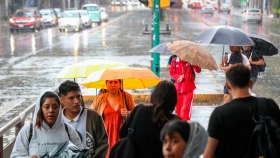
<point x="193" y="53"/>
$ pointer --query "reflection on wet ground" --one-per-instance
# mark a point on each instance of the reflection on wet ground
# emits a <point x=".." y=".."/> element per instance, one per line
<point x="30" y="61"/>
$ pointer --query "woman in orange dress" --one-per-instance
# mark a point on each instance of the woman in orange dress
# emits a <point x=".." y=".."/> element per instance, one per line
<point x="113" y="106"/>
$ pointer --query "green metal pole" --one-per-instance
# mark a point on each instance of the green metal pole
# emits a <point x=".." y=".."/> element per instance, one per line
<point x="156" y="56"/>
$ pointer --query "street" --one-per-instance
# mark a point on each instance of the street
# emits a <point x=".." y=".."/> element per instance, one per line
<point x="29" y="62"/>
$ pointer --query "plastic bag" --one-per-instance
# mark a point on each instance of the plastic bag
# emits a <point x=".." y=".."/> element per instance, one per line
<point x="63" y="150"/>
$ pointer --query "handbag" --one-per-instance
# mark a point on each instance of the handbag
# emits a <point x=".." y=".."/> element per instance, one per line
<point x="125" y="147"/>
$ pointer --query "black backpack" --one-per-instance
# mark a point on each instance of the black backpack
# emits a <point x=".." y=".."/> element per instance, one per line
<point x="125" y="147"/>
<point x="265" y="140"/>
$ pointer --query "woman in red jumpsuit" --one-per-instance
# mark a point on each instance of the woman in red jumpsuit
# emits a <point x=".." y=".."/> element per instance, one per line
<point x="184" y="75"/>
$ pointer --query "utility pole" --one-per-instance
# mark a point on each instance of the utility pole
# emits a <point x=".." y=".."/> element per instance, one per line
<point x="156" y="56"/>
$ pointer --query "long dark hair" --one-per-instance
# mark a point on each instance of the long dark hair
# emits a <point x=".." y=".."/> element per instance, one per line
<point x="164" y="98"/>
<point x="40" y="116"/>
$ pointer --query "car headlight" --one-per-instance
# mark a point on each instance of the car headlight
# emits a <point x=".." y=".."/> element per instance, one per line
<point x="32" y="20"/>
<point x="12" y="20"/>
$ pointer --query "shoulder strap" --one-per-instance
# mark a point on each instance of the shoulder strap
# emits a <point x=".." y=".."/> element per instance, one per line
<point x="132" y="125"/>
<point x="30" y="134"/>
<point x="262" y="106"/>
<point x="66" y="128"/>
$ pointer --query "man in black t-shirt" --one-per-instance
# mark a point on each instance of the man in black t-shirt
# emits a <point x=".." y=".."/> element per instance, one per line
<point x="231" y="125"/>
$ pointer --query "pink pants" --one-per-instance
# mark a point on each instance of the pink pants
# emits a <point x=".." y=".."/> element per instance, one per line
<point x="184" y="105"/>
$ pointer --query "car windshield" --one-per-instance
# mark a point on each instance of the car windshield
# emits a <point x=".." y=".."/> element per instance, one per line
<point x="23" y="14"/>
<point x="102" y="10"/>
<point x="83" y="13"/>
<point x="45" y="12"/>
<point x="70" y="15"/>
<point x="58" y="11"/>
<point x="253" y="11"/>
<point x="91" y="8"/>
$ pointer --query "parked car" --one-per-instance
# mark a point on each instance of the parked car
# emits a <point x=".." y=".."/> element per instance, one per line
<point x="208" y="9"/>
<point x="104" y="15"/>
<point x="49" y="17"/>
<point x="58" y="12"/>
<point x="224" y="8"/>
<point x="94" y="12"/>
<point x="86" y="20"/>
<point x="133" y="2"/>
<point x="253" y="15"/>
<point x="23" y="19"/>
<point x="70" y="20"/>
<point x="196" y="4"/>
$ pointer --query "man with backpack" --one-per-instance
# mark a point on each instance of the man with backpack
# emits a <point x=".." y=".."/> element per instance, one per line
<point x="234" y="127"/>
<point x="87" y="123"/>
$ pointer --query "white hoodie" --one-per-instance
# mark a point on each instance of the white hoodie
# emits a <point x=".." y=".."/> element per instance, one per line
<point x="44" y="139"/>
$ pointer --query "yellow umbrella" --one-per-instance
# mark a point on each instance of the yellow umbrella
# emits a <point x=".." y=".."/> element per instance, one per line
<point x="133" y="78"/>
<point x="83" y="69"/>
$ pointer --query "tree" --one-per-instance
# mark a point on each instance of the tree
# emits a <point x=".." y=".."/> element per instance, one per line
<point x="276" y="7"/>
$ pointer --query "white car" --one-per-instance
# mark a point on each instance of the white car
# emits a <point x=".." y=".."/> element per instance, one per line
<point x="70" y="20"/>
<point x="49" y="17"/>
<point x="133" y="2"/>
<point x="253" y="15"/>
<point x="86" y="20"/>
<point x="103" y="14"/>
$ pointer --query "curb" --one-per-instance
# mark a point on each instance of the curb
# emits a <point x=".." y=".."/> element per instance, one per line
<point x="199" y="99"/>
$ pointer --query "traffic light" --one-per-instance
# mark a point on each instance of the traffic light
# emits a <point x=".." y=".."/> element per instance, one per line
<point x="151" y="3"/>
<point x="165" y="3"/>
<point x="145" y="2"/>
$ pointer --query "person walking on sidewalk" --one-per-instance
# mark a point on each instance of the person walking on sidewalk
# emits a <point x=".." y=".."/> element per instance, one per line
<point x="231" y="125"/>
<point x="184" y="75"/>
<point x="228" y="61"/>
<point x="114" y="106"/>
<point x="254" y="60"/>
<point x="87" y="123"/>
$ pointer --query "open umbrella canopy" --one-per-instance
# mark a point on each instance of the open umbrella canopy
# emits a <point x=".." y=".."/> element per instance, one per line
<point x="193" y="53"/>
<point x="225" y="35"/>
<point x="161" y="48"/>
<point x="263" y="46"/>
<point x="133" y="78"/>
<point x="83" y="69"/>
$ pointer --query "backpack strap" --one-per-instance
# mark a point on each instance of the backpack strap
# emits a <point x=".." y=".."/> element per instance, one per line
<point x="262" y="106"/>
<point x="66" y="128"/>
<point x="30" y="134"/>
<point x="132" y="125"/>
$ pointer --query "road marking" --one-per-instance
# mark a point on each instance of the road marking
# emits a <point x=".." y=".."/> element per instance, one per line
<point x="111" y="22"/>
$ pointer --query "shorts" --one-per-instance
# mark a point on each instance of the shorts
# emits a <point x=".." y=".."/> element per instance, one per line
<point x="226" y="90"/>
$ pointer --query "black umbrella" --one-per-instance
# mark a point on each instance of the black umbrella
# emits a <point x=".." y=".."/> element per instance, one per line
<point x="161" y="48"/>
<point x="263" y="46"/>
<point x="225" y="35"/>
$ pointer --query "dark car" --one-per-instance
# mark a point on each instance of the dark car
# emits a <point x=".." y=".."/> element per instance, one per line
<point x="195" y="4"/>
<point x="224" y="8"/>
<point x="208" y="9"/>
<point x="25" y="19"/>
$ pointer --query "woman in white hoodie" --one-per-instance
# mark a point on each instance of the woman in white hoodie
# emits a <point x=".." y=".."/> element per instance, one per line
<point x="48" y="129"/>
<point x="183" y="139"/>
